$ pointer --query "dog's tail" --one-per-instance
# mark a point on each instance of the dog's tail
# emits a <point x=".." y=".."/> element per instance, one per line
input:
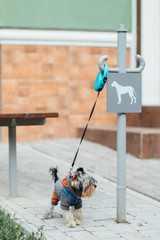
<point x="54" y="174"/>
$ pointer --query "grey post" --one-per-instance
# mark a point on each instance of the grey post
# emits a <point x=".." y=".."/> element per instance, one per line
<point x="121" y="128"/>
<point x="121" y="122"/>
<point x="12" y="159"/>
<point x="121" y="135"/>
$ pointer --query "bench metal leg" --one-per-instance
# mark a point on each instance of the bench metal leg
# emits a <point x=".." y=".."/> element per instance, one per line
<point x="12" y="161"/>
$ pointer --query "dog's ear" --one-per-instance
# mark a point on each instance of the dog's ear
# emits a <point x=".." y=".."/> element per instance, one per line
<point x="80" y="169"/>
<point x="74" y="176"/>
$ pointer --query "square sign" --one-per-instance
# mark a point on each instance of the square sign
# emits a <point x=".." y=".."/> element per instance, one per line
<point x="124" y="92"/>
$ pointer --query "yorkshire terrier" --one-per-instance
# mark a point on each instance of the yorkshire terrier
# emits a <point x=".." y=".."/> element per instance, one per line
<point x="69" y="191"/>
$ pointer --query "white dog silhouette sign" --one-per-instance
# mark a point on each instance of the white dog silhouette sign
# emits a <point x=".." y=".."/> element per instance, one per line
<point x="124" y="92"/>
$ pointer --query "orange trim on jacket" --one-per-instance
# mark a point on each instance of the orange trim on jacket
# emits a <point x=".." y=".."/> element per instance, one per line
<point x="54" y="199"/>
<point x="64" y="182"/>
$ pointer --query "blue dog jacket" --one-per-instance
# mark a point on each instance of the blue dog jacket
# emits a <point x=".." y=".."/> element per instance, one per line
<point x="64" y="192"/>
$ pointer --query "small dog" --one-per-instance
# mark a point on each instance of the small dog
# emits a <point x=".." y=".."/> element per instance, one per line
<point x="69" y="191"/>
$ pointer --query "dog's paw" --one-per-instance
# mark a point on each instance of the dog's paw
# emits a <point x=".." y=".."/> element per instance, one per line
<point x="48" y="215"/>
<point x="77" y="221"/>
<point x="71" y="224"/>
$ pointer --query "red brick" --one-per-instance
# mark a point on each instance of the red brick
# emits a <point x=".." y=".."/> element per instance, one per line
<point x="55" y="78"/>
<point x="60" y="72"/>
<point x="30" y="49"/>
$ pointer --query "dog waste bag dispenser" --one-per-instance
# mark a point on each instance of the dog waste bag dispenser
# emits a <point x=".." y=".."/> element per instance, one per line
<point x="124" y="92"/>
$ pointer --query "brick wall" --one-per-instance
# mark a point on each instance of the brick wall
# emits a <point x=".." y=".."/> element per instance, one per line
<point x="58" y="79"/>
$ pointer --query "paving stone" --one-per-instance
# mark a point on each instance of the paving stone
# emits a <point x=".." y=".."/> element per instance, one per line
<point x="104" y="234"/>
<point x="35" y="188"/>
<point x="82" y="235"/>
<point x="58" y="235"/>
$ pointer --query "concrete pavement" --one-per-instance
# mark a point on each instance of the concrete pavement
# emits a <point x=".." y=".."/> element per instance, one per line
<point x="99" y="212"/>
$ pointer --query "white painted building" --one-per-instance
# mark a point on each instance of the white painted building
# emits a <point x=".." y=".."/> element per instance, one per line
<point x="150" y="49"/>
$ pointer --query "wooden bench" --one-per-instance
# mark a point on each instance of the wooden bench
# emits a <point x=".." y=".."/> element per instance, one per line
<point x="19" y="119"/>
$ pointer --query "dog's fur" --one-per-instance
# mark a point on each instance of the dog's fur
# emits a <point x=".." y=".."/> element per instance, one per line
<point x="79" y="184"/>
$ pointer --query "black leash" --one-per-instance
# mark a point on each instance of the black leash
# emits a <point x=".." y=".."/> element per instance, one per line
<point x="84" y="132"/>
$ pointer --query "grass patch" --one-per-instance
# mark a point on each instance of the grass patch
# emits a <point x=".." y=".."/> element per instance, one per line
<point x="10" y="230"/>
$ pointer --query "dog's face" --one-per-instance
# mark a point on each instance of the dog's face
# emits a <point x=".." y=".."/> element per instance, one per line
<point x="83" y="183"/>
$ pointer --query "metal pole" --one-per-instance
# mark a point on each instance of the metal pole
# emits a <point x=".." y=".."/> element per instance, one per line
<point x="121" y="134"/>
<point x="12" y="161"/>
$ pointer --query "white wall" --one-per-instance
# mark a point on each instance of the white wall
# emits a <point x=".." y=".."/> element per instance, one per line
<point x="150" y="46"/>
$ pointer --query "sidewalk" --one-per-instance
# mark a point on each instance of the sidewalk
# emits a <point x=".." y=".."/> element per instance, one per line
<point x="99" y="212"/>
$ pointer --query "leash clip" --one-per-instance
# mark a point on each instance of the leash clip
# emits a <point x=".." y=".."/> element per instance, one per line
<point x="70" y="170"/>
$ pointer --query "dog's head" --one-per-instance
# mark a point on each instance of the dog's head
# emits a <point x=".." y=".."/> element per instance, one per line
<point x="83" y="183"/>
<point x="113" y="84"/>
